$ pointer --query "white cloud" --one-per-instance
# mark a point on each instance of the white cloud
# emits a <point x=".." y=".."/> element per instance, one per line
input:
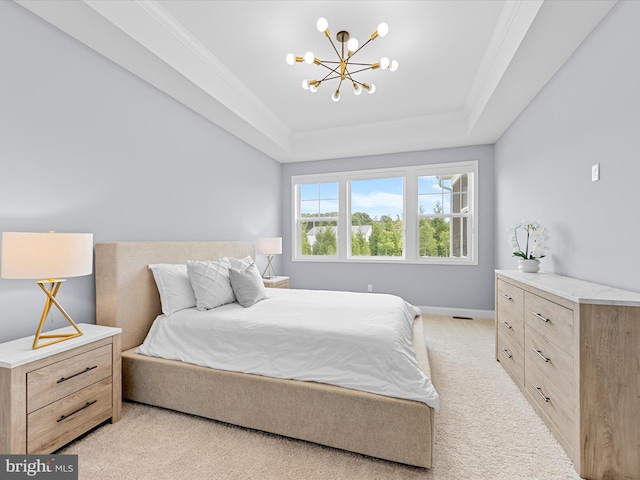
<point x="377" y="204"/>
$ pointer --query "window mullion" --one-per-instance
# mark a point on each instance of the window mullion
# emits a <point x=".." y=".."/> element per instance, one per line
<point x="411" y="221"/>
<point x="344" y="237"/>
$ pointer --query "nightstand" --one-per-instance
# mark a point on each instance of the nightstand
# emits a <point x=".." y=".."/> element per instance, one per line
<point x="52" y="395"/>
<point x="276" y="282"/>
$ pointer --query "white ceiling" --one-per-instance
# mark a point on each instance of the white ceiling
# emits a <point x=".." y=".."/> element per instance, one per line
<point x="467" y="68"/>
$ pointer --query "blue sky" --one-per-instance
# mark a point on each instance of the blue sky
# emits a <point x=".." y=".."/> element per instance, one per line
<point x="377" y="196"/>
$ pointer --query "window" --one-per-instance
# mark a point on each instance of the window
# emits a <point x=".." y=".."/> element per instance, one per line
<point x="318" y="219"/>
<point x="423" y="214"/>
<point x="377" y="214"/>
<point x="443" y="215"/>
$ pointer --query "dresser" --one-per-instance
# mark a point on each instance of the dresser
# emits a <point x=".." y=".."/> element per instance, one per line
<point x="573" y="348"/>
<point x="51" y="395"/>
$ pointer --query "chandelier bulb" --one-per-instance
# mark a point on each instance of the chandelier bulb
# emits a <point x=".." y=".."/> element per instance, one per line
<point x="313" y="87"/>
<point x="382" y="29"/>
<point x="322" y="24"/>
<point x="357" y="89"/>
<point x="352" y="45"/>
<point x="372" y="89"/>
<point x="309" y="57"/>
<point x="336" y="96"/>
<point x="384" y="63"/>
<point x="291" y="58"/>
<point x="305" y="84"/>
<point x="394" y="65"/>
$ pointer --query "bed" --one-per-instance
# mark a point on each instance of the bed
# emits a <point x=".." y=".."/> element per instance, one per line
<point x="127" y="297"/>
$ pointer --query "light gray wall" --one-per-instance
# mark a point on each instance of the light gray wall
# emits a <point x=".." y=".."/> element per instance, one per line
<point x="87" y="147"/>
<point x="587" y="114"/>
<point x="444" y="286"/>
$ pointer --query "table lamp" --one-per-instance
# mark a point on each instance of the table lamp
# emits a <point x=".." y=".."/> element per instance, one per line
<point x="48" y="258"/>
<point x="270" y="247"/>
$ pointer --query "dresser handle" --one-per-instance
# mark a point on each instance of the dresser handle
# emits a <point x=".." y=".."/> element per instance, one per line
<point x="539" y="353"/>
<point x="506" y="324"/>
<point x="507" y="353"/>
<point x="539" y="390"/>
<point x="86" y="405"/>
<point x="546" y="320"/>
<point x="506" y="296"/>
<point x="88" y="369"/>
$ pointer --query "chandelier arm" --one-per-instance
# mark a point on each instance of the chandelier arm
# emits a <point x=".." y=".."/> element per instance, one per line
<point x="333" y="45"/>
<point x="328" y="67"/>
<point x="361" y="70"/>
<point x="361" y="64"/>
<point x="360" y="48"/>
<point x="332" y="70"/>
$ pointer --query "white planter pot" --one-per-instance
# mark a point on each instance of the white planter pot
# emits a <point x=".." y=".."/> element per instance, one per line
<point x="528" y="266"/>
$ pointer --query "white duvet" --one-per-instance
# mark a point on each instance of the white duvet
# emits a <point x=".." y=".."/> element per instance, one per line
<point x="360" y="341"/>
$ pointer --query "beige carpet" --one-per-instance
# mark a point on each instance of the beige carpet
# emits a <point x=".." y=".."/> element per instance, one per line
<point x="485" y="430"/>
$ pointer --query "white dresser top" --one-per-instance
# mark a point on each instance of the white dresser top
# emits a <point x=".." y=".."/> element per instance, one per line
<point x="575" y="290"/>
<point x="20" y="351"/>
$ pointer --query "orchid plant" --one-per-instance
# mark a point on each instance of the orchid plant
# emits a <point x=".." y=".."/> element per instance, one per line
<point x="536" y="236"/>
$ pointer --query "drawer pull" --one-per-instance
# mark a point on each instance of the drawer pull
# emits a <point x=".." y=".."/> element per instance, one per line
<point x="537" y="315"/>
<point x="539" y="390"/>
<point x="509" y="327"/>
<point x="507" y="353"/>
<point x="539" y="353"/>
<point x="88" y="369"/>
<point x="86" y="405"/>
<point x="506" y="296"/>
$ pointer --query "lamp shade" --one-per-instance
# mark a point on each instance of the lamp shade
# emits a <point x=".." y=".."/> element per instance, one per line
<point x="41" y="256"/>
<point x="270" y="246"/>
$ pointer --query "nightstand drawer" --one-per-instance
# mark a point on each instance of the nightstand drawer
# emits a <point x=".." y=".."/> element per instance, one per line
<point x="58" y="423"/>
<point x="276" y="282"/>
<point x="55" y="381"/>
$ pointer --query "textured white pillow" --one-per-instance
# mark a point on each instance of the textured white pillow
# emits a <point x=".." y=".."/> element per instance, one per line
<point x="247" y="285"/>
<point x="240" y="263"/>
<point x="174" y="287"/>
<point x="210" y="283"/>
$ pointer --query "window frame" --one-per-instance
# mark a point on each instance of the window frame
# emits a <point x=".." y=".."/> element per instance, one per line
<point x="411" y="216"/>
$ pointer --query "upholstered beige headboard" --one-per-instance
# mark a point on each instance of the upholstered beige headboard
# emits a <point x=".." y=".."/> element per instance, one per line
<point x="126" y="293"/>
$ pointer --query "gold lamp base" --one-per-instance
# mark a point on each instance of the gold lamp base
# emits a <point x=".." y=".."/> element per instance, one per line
<point x="268" y="269"/>
<point x="51" y="292"/>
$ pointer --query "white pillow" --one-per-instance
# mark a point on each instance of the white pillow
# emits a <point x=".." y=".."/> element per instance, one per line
<point x="247" y="285"/>
<point x="210" y="283"/>
<point x="239" y="263"/>
<point x="174" y="287"/>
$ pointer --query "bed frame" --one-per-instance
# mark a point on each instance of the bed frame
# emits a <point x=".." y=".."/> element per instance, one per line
<point x="375" y="425"/>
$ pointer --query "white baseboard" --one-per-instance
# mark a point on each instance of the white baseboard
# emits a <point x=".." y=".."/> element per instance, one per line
<point x="458" y="312"/>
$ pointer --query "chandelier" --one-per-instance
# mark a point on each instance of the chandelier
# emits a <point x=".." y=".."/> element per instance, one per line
<point x="344" y="68"/>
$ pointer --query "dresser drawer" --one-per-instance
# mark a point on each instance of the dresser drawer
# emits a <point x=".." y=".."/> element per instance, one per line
<point x="551" y="400"/>
<point x="60" y="422"/>
<point x="511" y="328"/>
<point x="553" y="362"/>
<point x="57" y="380"/>
<point x="510" y="301"/>
<point x="552" y="321"/>
<point x="511" y="357"/>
